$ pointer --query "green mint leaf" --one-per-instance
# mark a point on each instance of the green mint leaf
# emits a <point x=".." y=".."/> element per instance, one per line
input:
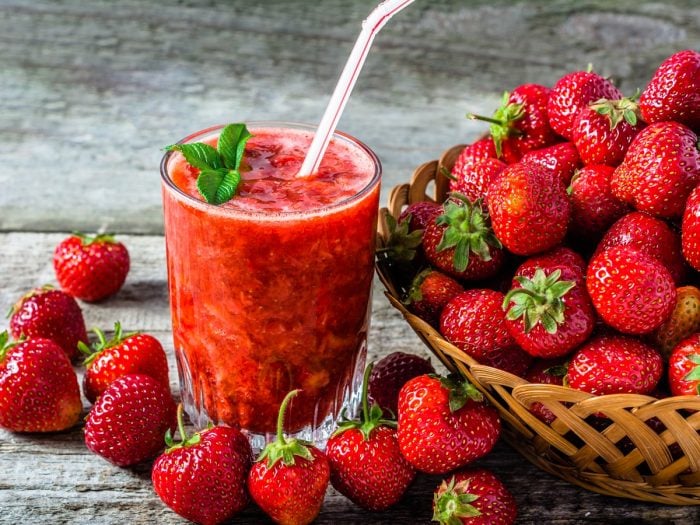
<point x="218" y="186"/>
<point x="232" y="144"/>
<point x="199" y="155"/>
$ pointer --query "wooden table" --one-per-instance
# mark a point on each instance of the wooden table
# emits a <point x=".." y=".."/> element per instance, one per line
<point x="91" y="91"/>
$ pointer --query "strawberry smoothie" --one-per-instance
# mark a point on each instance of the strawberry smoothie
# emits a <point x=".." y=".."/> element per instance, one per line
<point x="271" y="290"/>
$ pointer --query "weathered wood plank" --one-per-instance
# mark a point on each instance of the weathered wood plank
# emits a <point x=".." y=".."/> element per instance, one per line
<point x="91" y="91"/>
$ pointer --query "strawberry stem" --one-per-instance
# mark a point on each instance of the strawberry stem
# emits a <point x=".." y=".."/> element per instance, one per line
<point x="365" y="401"/>
<point x="185" y="441"/>
<point x="472" y="116"/>
<point x="280" y="417"/>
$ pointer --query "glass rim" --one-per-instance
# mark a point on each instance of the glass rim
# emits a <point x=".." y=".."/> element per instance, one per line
<point x="167" y="180"/>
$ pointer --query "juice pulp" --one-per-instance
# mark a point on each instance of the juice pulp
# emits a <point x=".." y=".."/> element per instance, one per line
<point x="271" y="291"/>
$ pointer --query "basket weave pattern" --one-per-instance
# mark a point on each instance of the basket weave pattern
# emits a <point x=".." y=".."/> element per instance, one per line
<point x="626" y="459"/>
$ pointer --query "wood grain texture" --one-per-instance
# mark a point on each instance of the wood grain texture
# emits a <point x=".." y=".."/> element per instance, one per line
<point x="90" y="92"/>
<point x="54" y="479"/>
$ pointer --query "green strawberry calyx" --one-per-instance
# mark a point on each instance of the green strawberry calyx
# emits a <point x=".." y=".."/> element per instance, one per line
<point x="453" y="501"/>
<point x="284" y="449"/>
<point x="503" y="121"/>
<point x="102" y="343"/>
<point x="625" y="109"/>
<point x="539" y="300"/>
<point x="219" y="168"/>
<point x="185" y="440"/>
<point x="371" y="418"/>
<point x="459" y="390"/>
<point x="6" y="344"/>
<point x="98" y="238"/>
<point x="402" y="243"/>
<point x="557" y="370"/>
<point x="694" y="374"/>
<point x="468" y="230"/>
<point x="415" y="294"/>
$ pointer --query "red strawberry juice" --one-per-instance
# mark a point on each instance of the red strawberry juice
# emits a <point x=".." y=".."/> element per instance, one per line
<point x="271" y="290"/>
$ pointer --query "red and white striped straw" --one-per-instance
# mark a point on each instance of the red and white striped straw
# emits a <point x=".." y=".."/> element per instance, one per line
<point x="370" y="27"/>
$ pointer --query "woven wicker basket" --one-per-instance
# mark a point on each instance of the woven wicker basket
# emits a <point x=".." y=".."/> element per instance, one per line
<point x="663" y="468"/>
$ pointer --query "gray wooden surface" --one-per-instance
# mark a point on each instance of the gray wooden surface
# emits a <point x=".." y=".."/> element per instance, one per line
<point x="90" y="92"/>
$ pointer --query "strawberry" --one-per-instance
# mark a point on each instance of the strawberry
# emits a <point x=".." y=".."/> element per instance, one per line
<point x="684" y="367"/>
<point x="391" y="373"/>
<point x="690" y="229"/>
<point x="366" y="464"/>
<point x="560" y="256"/>
<point x="473" y="153"/>
<point x="419" y="215"/>
<point x="573" y="92"/>
<point x="660" y="169"/>
<point x="593" y="206"/>
<point x="684" y="320"/>
<point x="521" y="124"/>
<point x="91" y="268"/>
<point x="551" y="313"/>
<point x="512" y="359"/>
<point x="473" y="183"/>
<point x="474" y="497"/>
<point x="461" y="243"/>
<point x="546" y="372"/>
<point x="203" y="477"/>
<point x="124" y="354"/>
<point x="444" y="423"/>
<point x="290" y="478"/>
<point x="632" y="292"/>
<point x="615" y="365"/>
<point x="429" y="293"/>
<point x="648" y="235"/>
<point x="562" y="159"/>
<point x="674" y="91"/>
<point x="604" y="130"/>
<point x="38" y="387"/>
<point x="127" y="423"/>
<point x="51" y="314"/>
<point x="529" y="209"/>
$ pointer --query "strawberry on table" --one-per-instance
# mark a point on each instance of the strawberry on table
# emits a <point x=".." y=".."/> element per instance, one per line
<point x="631" y="291"/>
<point x="429" y="293"/>
<point x="473" y="497"/>
<point x="127" y="423"/>
<point x="684" y="367"/>
<point x="561" y="159"/>
<point x="51" y="314"/>
<point x="38" y="387"/>
<point x="615" y="365"/>
<point x="690" y="229"/>
<point x="133" y="353"/>
<point x="203" y="477"/>
<point x="391" y="373"/>
<point x="366" y="464"/>
<point x="91" y="268"/>
<point x="684" y="320"/>
<point x="546" y="372"/>
<point x="444" y="423"/>
<point x="674" y="91"/>
<point x="661" y="168"/>
<point x="473" y="183"/>
<point x="289" y="479"/>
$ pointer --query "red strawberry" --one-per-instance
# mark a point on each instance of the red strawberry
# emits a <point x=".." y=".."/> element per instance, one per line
<point x="366" y="464"/>
<point x="472" y="154"/>
<point x="512" y="359"/>
<point x="660" y="170"/>
<point x="546" y="372"/>
<point x="648" y="235"/>
<point x="444" y="423"/>
<point x="203" y="477"/>
<point x="290" y="478"/>
<point x="461" y="243"/>
<point x="548" y="310"/>
<point x="429" y="293"/>
<point x="474" y="497"/>
<point x="124" y="354"/>
<point x="420" y="214"/>
<point x="521" y="124"/>
<point x="573" y="92"/>
<point x="562" y="159"/>
<point x="560" y="256"/>
<point x="674" y="91"/>
<point x="391" y="373"/>
<point x="38" y="387"/>
<point x="127" y="423"/>
<point x="632" y="292"/>
<point x="684" y="320"/>
<point x="529" y="209"/>
<point x="91" y="268"/>
<point x="684" y="367"/>
<point x="604" y="130"/>
<point x="593" y="206"/>
<point x="473" y="183"/>
<point x="690" y="229"/>
<point x="51" y="314"/>
<point x="615" y="365"/>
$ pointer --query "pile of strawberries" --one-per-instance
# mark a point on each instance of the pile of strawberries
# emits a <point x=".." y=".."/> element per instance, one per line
<point x="567" y="249"/>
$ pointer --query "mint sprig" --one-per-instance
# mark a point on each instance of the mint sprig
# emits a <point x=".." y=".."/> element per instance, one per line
<point x="219" y="175"/>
